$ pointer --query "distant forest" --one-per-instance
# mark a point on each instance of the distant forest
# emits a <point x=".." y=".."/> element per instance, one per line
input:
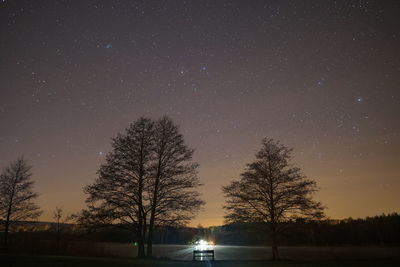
<point x="383" y="230"/>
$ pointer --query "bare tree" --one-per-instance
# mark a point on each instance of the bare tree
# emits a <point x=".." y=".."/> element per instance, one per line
<point x="60" y="219"/>
<point x="17" y="196"/>
<point x="147" y="180"/>
<point x="57" y="216"/>
<point x="174" y="198"/>
<point x="271" y="191"/>
<point x="117" y="196"/>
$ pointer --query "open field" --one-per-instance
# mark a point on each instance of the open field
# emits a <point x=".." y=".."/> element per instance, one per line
<point x="184" y="252"/>
<point x="57" y="261"/>
<point x="225" y="253"/>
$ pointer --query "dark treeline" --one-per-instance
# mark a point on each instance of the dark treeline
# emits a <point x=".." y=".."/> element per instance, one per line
<point x="383" y="230"/>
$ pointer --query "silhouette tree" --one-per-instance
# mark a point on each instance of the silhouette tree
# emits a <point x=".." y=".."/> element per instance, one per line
<point x="17" y="196"/>
<point x="147" y="180"/>
<point x="271" y="191"/>
<point x="60" y="219"/>
<point x="172" y="188"/>
<point x="117" y="196"/>
<point x="57" y="216"/>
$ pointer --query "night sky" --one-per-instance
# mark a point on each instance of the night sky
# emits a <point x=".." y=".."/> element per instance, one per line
<point x="321" y="76"/>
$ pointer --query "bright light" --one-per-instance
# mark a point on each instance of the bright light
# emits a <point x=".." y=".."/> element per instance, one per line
<point x="204" y="245"/>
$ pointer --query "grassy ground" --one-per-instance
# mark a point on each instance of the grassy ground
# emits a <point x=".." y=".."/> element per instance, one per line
<point x="60" y="261"/>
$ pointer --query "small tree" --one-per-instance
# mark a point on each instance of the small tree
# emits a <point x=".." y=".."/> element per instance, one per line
<point x="271" y="191"/>
<point x="17" y="196"/>
<point x="58" y="216"/>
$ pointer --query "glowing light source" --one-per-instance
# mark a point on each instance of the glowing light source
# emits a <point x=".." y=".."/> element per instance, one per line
<point x="204" y="245"/>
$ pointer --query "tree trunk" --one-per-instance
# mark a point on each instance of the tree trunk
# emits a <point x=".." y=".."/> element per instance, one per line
<point x="150" y="241"/>
<point x="141" y="252"/>
<point x="140" y="234"/>
<point x="6" y="236"/>
<point x="153" y="210"/>
<point x="275" y="254"/>
<point x="151" y="224"/>
<point x="152" y="218"/>
<point x="141" y="229"/>
<point x="58" y="238"/>
<point x="7" y="225"/>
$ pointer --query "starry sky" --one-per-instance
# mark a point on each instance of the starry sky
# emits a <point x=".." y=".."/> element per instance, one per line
<point x="321" y="76"/>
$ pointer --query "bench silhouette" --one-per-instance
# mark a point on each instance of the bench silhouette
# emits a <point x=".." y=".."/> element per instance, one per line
<point x="203" y="253"/>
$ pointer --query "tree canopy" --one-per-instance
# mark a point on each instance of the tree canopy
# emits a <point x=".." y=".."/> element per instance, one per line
<point x="17" y="198"/>
<point x="148" y="179"/>
<point x="271" y="191"/>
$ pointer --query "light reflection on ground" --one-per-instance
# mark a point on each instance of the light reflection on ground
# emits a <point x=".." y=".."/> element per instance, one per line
<point x="222" y="252"/>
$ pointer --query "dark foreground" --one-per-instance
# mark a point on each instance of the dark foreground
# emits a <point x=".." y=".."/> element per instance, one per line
<point x="240" y="253"/>
<point x="59" y="261"/>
